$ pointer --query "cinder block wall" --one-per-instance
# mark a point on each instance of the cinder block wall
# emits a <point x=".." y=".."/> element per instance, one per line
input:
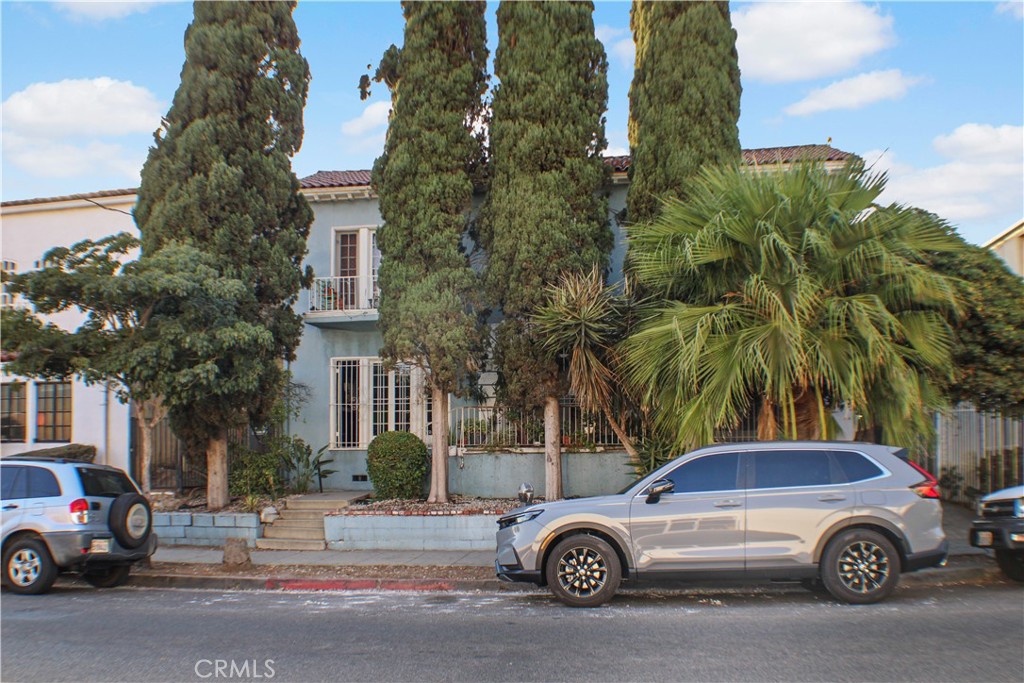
<point x="410" y="532"/>
<point x="202" y="528"/>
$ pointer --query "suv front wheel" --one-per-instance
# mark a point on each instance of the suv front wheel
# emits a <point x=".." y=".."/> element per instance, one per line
<point x="583" y="571"/>
<point x="28" y="567"/>
<point x="860" y="566"/>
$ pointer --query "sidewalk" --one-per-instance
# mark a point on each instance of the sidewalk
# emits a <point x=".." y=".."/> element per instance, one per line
<point x="194" y="567"/>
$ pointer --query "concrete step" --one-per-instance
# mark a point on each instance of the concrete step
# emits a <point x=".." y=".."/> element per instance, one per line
<point x="299" y="523"/>
<point x="285" y="544"/>
<point x="296" y="533"/>
<point x="326" y="502"/>
<point x="315" y="515"/>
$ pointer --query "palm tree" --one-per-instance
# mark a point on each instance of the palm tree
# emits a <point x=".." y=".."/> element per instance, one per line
<point x="584" y="320"/>
<point x="789" y="292"/>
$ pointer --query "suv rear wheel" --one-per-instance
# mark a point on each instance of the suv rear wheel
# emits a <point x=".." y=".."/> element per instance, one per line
<point x="108" y="577"/>
<point x="583" y="571"/>
<point x="860" y="566"/>
<point x="28" y="567"/>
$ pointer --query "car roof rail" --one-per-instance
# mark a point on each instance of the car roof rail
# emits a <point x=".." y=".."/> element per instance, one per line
<point x="37" y="458"/>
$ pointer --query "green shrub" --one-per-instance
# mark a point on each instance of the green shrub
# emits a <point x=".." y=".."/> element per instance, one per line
<point x="255" y="473"/>
<point x="397" y="465"/>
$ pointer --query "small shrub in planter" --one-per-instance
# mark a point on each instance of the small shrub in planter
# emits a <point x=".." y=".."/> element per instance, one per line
<point x="397" y="465"/>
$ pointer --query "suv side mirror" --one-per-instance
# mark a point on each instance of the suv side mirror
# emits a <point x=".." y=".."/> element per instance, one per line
<point x="657" y="488"/>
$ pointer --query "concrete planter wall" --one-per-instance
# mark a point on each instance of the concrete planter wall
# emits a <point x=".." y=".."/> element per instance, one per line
<point x="204" y="528"/>
<point x="410" y="532"/>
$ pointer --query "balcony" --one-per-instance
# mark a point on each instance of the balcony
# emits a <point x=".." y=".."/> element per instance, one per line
<point x="343" y="302"/>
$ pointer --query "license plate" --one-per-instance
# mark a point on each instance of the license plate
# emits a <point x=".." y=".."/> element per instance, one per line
<point x="100" y="545"/>
<point x="983" y="538"/>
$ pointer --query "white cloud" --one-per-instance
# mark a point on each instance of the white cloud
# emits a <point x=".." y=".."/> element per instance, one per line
<point x="100" y="10"/>
<point x="1014" y="9"/>
<point x="794" y="41"/>
<point x="373" y="117"/>
<point x="618" y="43"/>
<point x="98" y="106"/>
<point x="983" y="176"/>
<point x="58" y="159"/>
<point x="62" y="130"/>
<point x="854" y="93"/>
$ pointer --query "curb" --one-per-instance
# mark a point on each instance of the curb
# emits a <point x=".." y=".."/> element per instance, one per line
<point x="926" y="577"/>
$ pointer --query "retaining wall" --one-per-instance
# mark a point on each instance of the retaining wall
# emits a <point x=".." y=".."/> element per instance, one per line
<point x="410" y="532"/>
<point x="205" y="528"/>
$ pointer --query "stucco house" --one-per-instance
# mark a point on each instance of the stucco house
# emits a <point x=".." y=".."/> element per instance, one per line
<point x="40" y="414"/>
<point x="352" y="397"/>
<point x="1009" y="245"/>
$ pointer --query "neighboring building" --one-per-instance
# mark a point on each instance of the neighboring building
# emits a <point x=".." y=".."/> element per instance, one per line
<point x="352" y="396"/>
<point x="1009" y="245"/>
<point x="39" y="414"/>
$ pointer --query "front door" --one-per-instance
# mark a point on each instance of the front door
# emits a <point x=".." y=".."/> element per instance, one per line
<point x="15" y="496"/>
<point x="699" y="526"/>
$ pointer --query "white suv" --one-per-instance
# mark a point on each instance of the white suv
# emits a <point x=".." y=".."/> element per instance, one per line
<point x="850" y="516"/>
<point x="65" y="515"/>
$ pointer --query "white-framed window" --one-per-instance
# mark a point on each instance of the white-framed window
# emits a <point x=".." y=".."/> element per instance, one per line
<point x="367" y="400"/>
<point x="354" y="266"/>
<point x="7" y="299"/>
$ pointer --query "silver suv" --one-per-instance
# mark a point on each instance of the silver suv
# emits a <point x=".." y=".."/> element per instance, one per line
<point x="848" y="516"/>
<point x="63" y="515"/>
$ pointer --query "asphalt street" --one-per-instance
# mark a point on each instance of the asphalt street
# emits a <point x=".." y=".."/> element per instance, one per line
<point x="957" y="633"/>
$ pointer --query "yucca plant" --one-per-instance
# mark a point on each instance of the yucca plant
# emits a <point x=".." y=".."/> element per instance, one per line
<point x="791" y="290"/>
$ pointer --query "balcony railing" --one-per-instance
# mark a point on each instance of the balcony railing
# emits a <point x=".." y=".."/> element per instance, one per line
<point x="486" y="427"/>
<point x="348" y="293"/>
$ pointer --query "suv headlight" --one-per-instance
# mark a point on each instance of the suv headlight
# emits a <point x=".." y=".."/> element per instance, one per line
<point x="1018" y="507"/>
<point x="518" y="518"/>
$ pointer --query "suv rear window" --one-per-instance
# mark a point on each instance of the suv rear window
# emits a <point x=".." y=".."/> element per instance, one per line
<point x="856" y="467"/>
<point x="104" y="483"/>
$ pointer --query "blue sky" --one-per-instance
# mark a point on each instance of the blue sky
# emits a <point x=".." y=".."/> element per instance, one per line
<point x="932" y="92"/>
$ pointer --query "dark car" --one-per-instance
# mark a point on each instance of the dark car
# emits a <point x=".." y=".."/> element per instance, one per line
<point x="1000" y="527"/>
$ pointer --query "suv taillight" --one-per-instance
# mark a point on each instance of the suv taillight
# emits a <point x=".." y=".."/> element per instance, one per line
<point x="79" y="511"/>
<point x="927" y="489"/>
<point x="928" y="475"/>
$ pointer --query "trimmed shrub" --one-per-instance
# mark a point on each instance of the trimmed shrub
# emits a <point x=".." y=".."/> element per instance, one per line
<point x="397" y="465"/>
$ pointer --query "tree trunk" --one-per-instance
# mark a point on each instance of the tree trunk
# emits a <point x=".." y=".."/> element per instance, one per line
<point x="620" y="433"/>
<point x="148" y="414"/>
<point x="552" y="449"/>
<point x="767" y="427"/>
<point x="439" y="448"/>
<point x="217" y="471"/>
<point x="145" y="455"/>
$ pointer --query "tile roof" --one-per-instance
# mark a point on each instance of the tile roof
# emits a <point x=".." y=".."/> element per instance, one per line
<point x="619" y="164"/>
<point x="336" y="179"/>
<point x="764" y="155"/>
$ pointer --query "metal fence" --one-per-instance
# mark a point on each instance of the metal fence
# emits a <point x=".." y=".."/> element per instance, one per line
<point x="490" y="427"/>
<point x="977" y="453"/>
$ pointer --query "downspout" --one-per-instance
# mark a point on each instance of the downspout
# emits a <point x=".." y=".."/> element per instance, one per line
<point x="106" y="423"/>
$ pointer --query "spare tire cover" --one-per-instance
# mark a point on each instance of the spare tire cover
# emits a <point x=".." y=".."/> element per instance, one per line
<point x="131" y="520"/>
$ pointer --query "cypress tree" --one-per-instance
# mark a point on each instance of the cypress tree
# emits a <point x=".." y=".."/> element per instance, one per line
<point x="425" y="186"/>
<point x="219" y="177"/>
<point x="684" y="102"/>
<point x="545" y="213"/>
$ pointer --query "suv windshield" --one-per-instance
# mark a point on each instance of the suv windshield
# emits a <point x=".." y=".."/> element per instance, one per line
<point x="104" y="483"/>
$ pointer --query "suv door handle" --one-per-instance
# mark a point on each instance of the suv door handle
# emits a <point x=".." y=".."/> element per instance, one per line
<point x="12" y="506"/>
<point x="831" y="498"/>
<point x="728" y="504"/>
